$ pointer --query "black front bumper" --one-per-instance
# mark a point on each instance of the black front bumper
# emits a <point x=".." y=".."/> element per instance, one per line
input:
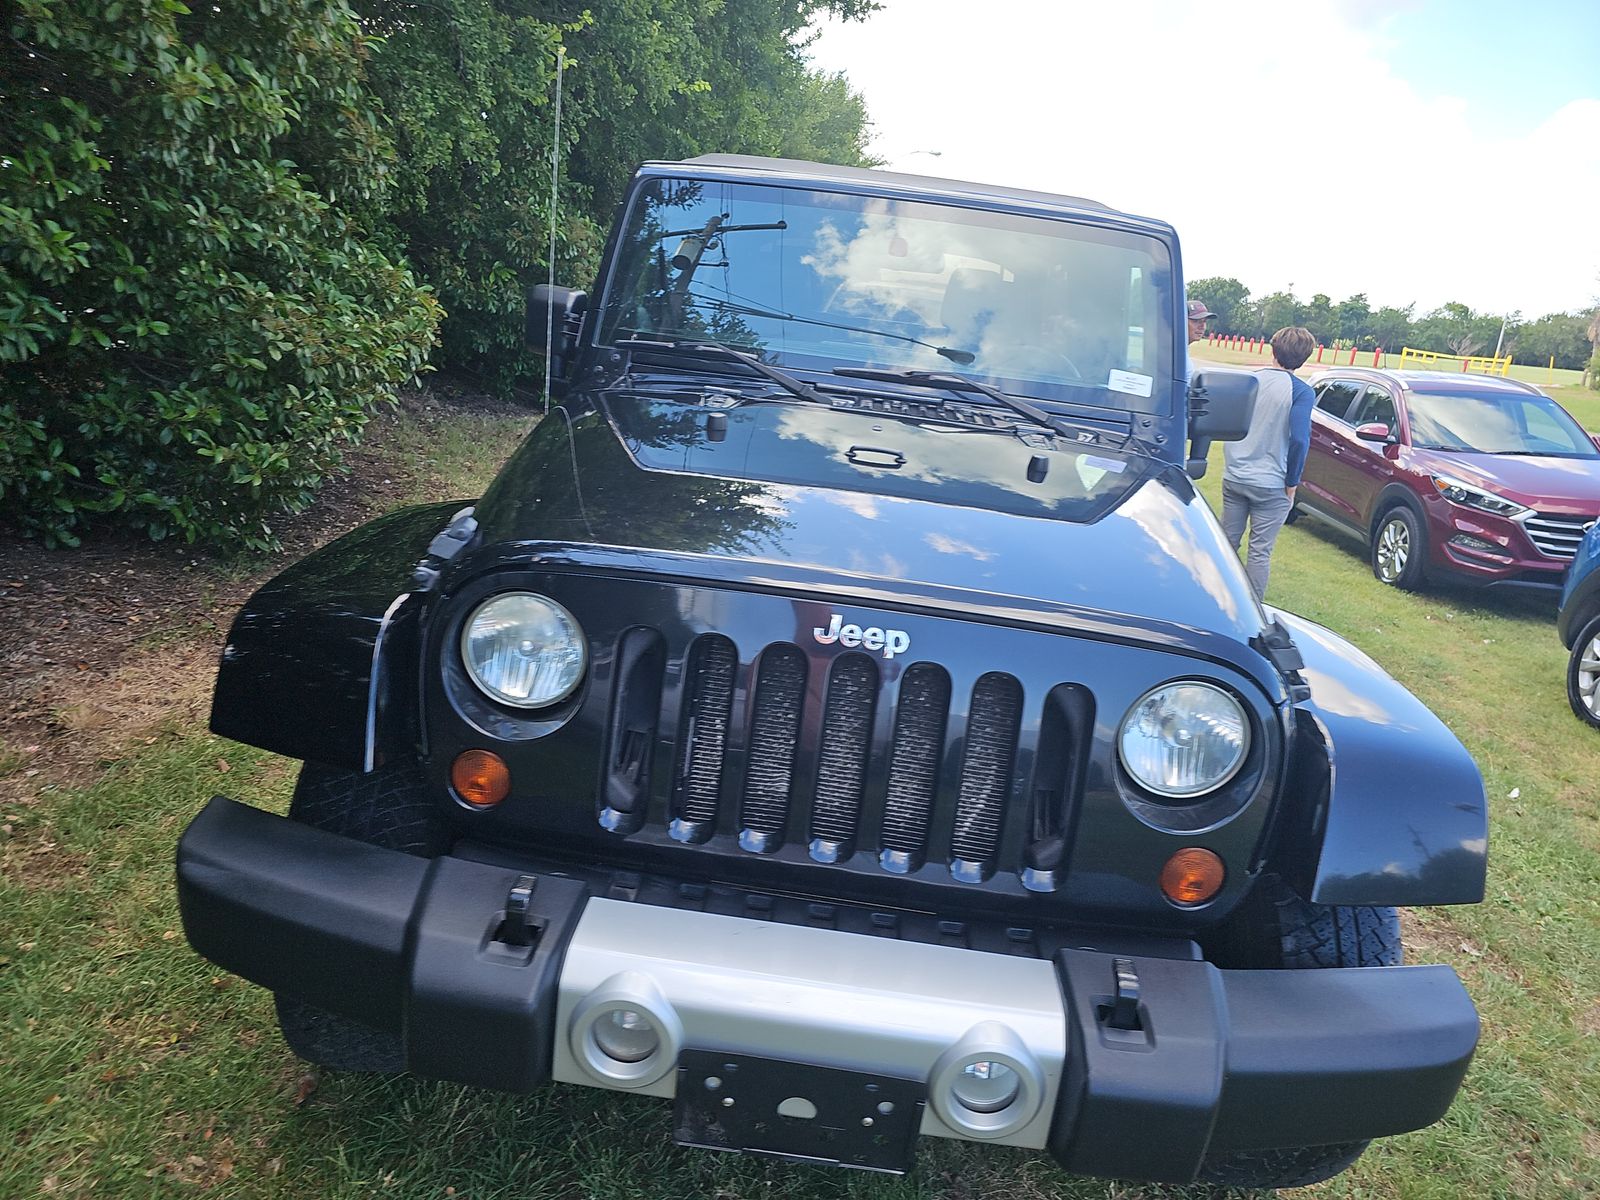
<point x="1221" y="1061"/>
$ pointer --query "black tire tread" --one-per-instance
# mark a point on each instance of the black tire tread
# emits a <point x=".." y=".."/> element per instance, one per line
<point x="1320" y="935"/>
<point x="1296" y="1166"/>
<point x="390" y="808"/>
<point x="1291" y="933"/>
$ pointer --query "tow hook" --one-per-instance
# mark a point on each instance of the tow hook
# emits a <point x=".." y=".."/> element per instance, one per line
<point x="520" y="927"/>
<point x="1123" y="1011"/>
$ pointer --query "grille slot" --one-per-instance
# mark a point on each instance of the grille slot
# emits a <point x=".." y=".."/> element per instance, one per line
<point x="1555" y="536"/>
<point x="915" y="752"/>
<point x="640" y="661"/>
<point x="703" y="746"/>
<point x="774" y="738"/>
<point x="1058" y="770"/>
<point x="842" y="757"/>
<point x="985" y="776"/>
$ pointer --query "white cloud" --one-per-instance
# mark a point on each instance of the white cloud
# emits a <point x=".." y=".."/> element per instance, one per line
<point x="1278" y="138"/>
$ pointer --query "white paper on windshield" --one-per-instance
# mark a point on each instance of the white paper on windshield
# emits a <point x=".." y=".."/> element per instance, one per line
<point x="1130" y="383"/>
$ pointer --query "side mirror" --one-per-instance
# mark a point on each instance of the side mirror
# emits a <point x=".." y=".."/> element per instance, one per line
<point x="1374" y="431"/>
<point x="555" y="318"/>
<point x="1221" y="404"/>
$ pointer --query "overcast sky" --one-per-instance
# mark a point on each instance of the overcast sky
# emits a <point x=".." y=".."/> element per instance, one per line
<point x="1426" y="151"/>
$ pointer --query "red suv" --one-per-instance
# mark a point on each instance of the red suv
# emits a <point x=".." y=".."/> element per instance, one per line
<point x="1480" y="479"/>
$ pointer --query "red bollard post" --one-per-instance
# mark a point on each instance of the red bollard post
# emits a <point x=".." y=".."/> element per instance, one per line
<point x="1352" y="356"/>
<point x="1376" y="355"/>
<point x="1319" y="352"/>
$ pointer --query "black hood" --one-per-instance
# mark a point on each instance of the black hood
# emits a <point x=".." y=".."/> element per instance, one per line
<point x="873" y="496"/>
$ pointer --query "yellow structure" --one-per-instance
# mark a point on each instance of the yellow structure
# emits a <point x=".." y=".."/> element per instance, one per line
<point x="1427" y="359"/>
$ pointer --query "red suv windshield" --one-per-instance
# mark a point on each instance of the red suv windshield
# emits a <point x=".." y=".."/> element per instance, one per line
<point x="1496" y="423"/>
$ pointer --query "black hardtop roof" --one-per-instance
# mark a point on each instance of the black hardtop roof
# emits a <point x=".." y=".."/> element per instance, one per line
<point x="1437" y="381"/>
<point x="895" y="183"/>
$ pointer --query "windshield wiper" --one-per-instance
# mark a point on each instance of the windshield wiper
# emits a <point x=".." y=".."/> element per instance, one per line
<point x="961" y="383"/>
<point x="1130" y="444"/>
<point x="772" y="314"/>
<point x="795" y="387"/>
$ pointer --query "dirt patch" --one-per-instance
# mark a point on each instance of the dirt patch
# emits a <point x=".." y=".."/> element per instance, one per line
<point x="101" y="644"/>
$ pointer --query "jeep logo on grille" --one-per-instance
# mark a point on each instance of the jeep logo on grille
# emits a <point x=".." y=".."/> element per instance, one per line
<point x="889" y="641"/>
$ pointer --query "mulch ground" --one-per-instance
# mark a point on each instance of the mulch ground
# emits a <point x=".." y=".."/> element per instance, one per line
<point x="98" y="642"/>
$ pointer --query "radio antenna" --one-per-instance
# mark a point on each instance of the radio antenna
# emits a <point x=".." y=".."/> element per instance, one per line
<point x="555" y="178"/>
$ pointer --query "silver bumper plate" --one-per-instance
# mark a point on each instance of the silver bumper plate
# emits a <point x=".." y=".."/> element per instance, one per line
<point x="867" y="1005"/>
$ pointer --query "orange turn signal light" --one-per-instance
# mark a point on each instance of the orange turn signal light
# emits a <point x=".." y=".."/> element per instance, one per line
<point x="1192" y="876"/>
<point x="480" y="778"/>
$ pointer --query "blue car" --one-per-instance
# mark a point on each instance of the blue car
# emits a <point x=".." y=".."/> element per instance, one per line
<point x="1579" y="626"/>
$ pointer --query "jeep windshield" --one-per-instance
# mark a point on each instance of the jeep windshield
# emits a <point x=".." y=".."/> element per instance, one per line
<point x="815" y="280"/>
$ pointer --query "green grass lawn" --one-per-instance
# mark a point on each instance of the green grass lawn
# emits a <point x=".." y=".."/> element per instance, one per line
<point x="130" y="1067"/>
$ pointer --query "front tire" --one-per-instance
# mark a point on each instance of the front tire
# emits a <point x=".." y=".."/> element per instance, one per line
<point x="1583" y="674"/>
<point x="1399" y="549"/>
<point x="390" y="808"/>
<point x="1276" y="930"/>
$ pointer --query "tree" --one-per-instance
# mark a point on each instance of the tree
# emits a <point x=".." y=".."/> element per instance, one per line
<point x="1557" y="335"/>
<point x="1228" y="298"/>
<point x="1352" y="319"/>
<point x="1453" y="328"/>
<point x="191" y="325"/>
<point x="1317" y="316"/>
<point x="1279" y="309"/>
<point x="1390" y="328"/>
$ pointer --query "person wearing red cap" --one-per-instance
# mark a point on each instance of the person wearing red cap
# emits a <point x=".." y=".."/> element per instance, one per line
<point x="1198" y="314"/>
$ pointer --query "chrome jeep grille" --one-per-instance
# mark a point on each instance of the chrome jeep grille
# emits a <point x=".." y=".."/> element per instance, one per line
<point x="1556" y="536"/>
<point x="768" y="750"/>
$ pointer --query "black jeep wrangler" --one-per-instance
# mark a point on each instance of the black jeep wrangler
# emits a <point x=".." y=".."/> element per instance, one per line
<point x="843" y="717"/>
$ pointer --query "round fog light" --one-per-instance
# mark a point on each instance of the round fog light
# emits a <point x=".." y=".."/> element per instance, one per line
<point x="626" y="1035"/>
<point x="986" y="1087"/>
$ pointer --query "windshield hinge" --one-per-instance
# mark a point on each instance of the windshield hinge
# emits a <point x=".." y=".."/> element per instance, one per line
<point x="447" y="543"/>
<point x="1275" y="644"/>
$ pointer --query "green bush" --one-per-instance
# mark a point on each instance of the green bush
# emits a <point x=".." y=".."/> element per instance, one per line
<point x="1593" y="369"/>
<point x="191" y="324"/>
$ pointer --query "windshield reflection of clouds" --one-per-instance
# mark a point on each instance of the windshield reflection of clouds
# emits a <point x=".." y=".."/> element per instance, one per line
<point x="1041" y="302"/>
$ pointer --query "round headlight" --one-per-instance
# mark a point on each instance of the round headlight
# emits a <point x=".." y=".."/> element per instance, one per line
<point x="1184" y="739"/>
<point x="524" y="650"/>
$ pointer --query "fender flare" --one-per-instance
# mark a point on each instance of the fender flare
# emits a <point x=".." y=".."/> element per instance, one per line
<point x="1384" y="805"/>
<point x="321" y="663"/>
<point x="1392" y="495"/>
